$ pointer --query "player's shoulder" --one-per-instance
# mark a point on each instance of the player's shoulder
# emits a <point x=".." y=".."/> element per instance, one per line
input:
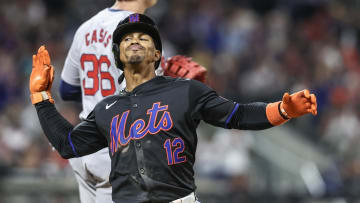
<point x="169" y="79"/>
<point x="190" y="83"/>
<point x="185" y="81"/>
<point x="185" y="84"/>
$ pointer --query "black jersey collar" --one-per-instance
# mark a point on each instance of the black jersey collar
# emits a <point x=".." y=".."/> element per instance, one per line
<point x="145" y="86"/>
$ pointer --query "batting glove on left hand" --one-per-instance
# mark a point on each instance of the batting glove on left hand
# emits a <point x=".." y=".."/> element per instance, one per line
<point x="291" y="106"/>
<point x="298" y="104"/>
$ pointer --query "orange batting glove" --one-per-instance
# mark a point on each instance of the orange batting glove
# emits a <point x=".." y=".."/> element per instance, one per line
<point x="291" y="106"/>
<point x="41" y="78"/>
<point x="298" y="104"/>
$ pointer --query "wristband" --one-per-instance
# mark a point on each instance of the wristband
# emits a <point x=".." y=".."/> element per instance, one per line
<point x="40" y="96"/>
<point x="273" y="114"/>
<point x="283" y="112"/>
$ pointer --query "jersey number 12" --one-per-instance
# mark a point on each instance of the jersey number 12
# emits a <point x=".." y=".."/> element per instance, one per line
<point x="94" y="75"/>
<point x="173" y="150"/>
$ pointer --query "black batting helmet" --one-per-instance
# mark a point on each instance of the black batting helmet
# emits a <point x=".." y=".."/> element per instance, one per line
<point x="135" y="23"/>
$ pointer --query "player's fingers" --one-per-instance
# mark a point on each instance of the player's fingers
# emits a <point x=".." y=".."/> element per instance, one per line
<point x="314" y="113"/>
<point x="41" y="54"/>
<point x="42" y="47"/>
<point x="312" y="98"/>
<point x="286" y="98"/>
<point x="306" y="93"/>
<point x="41" y="58"/>
<point x="308" y="105"/>
<point x="313" y="107"/>
<point x="313" y="101"/>
<point x="46" y="57"/>
<point x="37" y="61"/>
<point x="45" y="72"/>
<point x="44" y="75"/>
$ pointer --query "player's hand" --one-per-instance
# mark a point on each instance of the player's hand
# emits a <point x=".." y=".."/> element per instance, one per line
<point x="184" y="67"/>
<point x="42" y="76"/>
<point x="298" y="104"/>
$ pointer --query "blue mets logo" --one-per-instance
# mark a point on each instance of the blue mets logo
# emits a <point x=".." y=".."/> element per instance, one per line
<point x="138" y="128"/>
<point x="133" y="18"/>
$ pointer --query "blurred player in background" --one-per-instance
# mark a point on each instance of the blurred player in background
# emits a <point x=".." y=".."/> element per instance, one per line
<point x="89" y="75"/>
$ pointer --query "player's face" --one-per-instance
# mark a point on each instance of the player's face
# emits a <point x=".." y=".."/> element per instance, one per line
<point x="137" y="48"/>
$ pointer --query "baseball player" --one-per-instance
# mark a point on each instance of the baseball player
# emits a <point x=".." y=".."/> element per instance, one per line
<point x="89" y="75"/>
<point x="150" y="126"/>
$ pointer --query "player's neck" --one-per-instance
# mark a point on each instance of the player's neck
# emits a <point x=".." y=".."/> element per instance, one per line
<point x="134" y="6"/>
<point x="135" y="76"/>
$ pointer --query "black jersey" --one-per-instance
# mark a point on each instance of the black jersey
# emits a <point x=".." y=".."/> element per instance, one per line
<point x="151" y="135"/>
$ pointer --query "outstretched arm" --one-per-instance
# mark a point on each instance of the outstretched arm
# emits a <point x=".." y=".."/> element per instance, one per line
<point x="222" y="112"/>
<point x="67" y="140"/>
<point x="257" y="116"/>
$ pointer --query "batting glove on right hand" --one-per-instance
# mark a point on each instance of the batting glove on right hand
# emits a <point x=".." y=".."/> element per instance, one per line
<point x="41" y="78"/>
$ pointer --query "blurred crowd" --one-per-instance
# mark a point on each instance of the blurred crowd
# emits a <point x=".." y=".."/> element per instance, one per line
<point x="254" y="50"/>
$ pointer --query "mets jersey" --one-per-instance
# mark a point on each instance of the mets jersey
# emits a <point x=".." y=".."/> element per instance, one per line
<point x="151" y="135"/>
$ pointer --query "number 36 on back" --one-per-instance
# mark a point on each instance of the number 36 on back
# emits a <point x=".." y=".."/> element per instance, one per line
<point x="94" y="75"/>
